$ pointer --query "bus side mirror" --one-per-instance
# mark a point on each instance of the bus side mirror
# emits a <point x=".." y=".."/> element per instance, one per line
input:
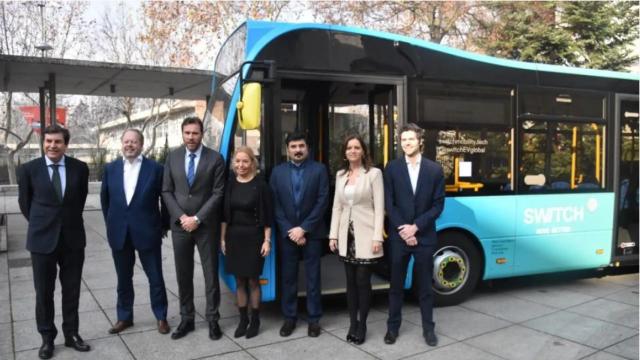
<point x="249" y="106"/>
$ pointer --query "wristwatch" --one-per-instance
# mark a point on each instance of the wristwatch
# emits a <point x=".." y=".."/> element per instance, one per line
<point x="197" y="220"/>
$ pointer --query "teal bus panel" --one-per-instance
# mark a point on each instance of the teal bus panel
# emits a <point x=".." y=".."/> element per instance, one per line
<point x="563" y="232"/>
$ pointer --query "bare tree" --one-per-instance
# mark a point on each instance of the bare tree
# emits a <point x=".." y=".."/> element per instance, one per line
<point x="64" y="29"/>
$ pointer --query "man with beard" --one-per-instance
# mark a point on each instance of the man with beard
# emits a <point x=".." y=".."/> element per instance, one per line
<point x="301" y="194"/>
<point x="193" y="187"/>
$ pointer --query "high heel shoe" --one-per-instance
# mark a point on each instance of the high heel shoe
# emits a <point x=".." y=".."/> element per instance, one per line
<point x="361" y="334"/>
<point x="351" y="335"/>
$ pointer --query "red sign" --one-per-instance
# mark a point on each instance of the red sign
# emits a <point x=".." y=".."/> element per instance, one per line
<point x="32" y="115"/>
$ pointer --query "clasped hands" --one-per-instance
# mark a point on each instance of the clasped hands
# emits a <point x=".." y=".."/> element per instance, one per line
<point x="188" y="223"/>
<point x="408" y="234"/>
<point x="296" y="235"/>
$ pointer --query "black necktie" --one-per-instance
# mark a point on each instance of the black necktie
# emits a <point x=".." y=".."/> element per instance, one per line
<point x="57" y="183"/>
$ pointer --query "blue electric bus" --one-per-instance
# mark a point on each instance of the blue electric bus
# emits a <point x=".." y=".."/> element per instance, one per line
<point x="541" y="161"/>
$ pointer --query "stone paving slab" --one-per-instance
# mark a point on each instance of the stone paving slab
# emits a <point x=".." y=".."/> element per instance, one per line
<point x="603" y="356"/>
<point x="627" y="348"/>
<point x="628" y="296"/>
<point x="506" y="307"/>
<point x="309" y="349"/>
<point x="610" y="311"/>
<point x="150" y="345"/>
<point x="551" y="295"/>
<point x="520" y="343"/>
<point x="459" y="323"/>
<point x="455" y="351"/>
<point x="581" y="329"/>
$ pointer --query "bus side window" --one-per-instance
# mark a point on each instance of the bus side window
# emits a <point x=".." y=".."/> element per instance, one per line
<point x="569" y="154"/>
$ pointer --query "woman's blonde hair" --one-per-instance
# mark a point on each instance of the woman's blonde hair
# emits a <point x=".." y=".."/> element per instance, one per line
<point x="249" y="152"/>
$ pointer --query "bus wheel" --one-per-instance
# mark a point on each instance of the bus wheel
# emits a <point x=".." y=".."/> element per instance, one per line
<point x="457" y="265"/>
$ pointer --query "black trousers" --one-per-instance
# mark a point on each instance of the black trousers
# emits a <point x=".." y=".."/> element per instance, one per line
<point x="45" y="268"/>
<point x="423" y="263"/>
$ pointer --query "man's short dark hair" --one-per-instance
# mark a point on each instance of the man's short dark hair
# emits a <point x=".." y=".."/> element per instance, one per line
<point x="57" y="129"/>
<point x="412" y="127"/>
<point x="137" y="131"/>
<point x="295" y="136"/>
<point x="192" y="120"/>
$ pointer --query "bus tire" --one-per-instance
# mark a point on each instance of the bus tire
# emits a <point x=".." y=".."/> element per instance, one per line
<point x="457" y="268"/>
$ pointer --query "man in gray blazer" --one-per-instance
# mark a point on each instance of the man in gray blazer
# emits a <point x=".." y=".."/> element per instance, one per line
<point x="192" y="189"/>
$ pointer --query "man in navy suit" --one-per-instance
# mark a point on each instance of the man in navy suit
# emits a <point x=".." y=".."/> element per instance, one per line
<point x="414" y="198"/>
<point x="301" y="194"/>
<point x="52" y="191"/>
<point x="131" y="205"/>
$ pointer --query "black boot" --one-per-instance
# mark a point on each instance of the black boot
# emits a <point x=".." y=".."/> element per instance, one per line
<point x="361" y="333"/>
<point x="241" y="330"/>
<point x="351" y="335"/>
<point x="254" y="325"/>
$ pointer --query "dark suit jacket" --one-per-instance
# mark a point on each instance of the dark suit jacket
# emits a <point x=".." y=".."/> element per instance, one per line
<point x="423" y="208"/>
<point x="204" y="198"/>
<point x="144" y="218"/>
<point x="315" y="199"/>
<point x="49" y="217"/>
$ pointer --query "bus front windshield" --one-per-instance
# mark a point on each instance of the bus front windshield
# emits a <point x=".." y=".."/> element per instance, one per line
<point x="228" y="61"/>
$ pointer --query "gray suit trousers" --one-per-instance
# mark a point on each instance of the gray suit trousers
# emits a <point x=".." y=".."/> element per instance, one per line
<point x="183" y="245"/>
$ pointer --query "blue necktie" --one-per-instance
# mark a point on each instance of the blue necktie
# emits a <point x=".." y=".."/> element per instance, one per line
<point x="191" y="172"/>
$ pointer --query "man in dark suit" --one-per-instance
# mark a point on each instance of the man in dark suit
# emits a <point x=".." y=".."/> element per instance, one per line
<point x="131" y="205"/>
<point x="192" y="189"/>
<point x="414" y="198"/>
<point x="52" y="194"/>
<point x="301" y="195"/>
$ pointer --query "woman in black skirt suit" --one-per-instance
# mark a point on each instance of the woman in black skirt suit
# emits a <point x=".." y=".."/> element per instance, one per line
<point x="246" y="235"/>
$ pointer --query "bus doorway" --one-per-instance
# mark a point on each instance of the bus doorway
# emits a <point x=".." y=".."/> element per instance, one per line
<point x="626" y="239"/>
<point x="327" y="111"/>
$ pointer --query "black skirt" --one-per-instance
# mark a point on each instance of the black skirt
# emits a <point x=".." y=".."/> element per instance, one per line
<point x="243" y="244"/>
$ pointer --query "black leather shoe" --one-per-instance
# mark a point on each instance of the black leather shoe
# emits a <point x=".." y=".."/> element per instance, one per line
<point x="183" y="329"/>
<point x="46" y="350"/>
<point x="430" y="338"/>
<point x="313" y="330"/>
<point x="214" y="330"/>
<point x="390" y="338"/>
<point x="287" y="328"/>
<point x="76" y="342"/>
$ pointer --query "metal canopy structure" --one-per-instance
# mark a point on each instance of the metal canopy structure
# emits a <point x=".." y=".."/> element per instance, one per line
<point x="78" y="77"/>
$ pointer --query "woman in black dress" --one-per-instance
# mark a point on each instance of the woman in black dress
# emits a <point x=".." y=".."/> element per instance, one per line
<point x="246" y="235"/>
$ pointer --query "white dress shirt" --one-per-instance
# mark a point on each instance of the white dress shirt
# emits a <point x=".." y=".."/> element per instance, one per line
<point x="196" y="160"/>
<point x="130" y="174"/>
<point x="61" y="170"/>
<point x="414" y="171"/>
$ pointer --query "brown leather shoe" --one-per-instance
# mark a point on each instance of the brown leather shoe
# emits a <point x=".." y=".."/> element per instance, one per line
<point x="120" y="326"/>
<point x="163" y="327"/>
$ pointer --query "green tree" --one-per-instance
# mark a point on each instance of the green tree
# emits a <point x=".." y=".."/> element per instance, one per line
<point x="590" y="34"/>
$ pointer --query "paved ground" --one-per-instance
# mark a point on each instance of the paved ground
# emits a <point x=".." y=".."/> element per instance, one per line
<point x="572" y="316"/>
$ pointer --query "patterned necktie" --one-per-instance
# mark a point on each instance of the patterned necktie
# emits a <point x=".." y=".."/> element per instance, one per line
<point x="191" y="172"/>
<point x="57" y="183"/>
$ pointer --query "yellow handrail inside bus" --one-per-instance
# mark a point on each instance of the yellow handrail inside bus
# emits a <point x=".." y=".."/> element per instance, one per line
<point x="385" y="144"/>
<point x="574" y="142"/>
<point x="598" y="165"/>
<point x="461" y="185"/>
